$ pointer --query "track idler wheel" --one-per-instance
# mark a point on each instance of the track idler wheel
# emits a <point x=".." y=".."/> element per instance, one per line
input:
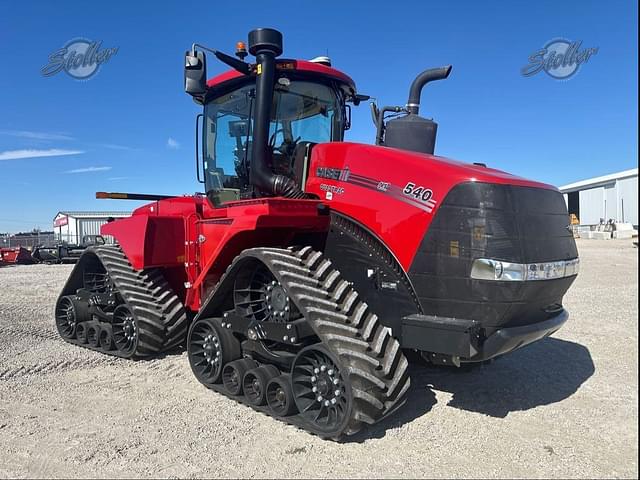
<point x="280" y="396"/>
<point x="106" y="338"/>
<point x="81" y="332"/>
<point x="93" y="334"/>
<point x="69" y="312"/>
<point x="210" y="348"/>
<point x="321" y="391"/>
<point x="233" y="374"/>
<point x="125" y="331"/>
<point x="254" y="383"/>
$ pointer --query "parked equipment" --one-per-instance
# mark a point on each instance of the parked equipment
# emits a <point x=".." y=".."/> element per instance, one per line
<point x="15" y="255"/>
<point x="65" y="252"/>
<point x="311" y="264"/>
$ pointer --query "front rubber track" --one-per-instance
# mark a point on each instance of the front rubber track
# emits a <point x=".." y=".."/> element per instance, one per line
<point x="371" y="358"/>
<point x="159" y="313"/>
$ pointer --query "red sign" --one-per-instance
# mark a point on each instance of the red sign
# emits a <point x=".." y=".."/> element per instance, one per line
<point x="60" y="222"/>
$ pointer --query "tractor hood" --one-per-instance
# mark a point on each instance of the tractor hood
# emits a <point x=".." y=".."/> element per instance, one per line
<point x="432" y="165"/>
<point x="439" y="218"/>
<point x="396" y="193"/>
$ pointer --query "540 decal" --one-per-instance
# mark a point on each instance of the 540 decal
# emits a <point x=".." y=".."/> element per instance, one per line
<point x="419" y="196"/>
<point x="419" y="193"/>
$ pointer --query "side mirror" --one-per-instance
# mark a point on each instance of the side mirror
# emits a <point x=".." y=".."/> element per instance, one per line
<point x="375" y="113"/>
<point x="347" y="117"/>
<point x="195" y="73"/>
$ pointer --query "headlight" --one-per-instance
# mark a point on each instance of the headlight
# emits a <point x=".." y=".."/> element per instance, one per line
<point x="572" y="267"/>
<point x="488" y="269"/>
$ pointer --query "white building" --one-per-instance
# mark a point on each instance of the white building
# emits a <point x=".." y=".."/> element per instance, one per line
<point x="72" y="227"/>
<point x="608" y="197"/>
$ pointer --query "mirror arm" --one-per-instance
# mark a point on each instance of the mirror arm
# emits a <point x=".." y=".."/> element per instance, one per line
<point x="234" y="63"/>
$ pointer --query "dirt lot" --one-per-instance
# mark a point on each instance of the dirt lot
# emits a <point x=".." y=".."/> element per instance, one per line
<point x="564" y="407"/>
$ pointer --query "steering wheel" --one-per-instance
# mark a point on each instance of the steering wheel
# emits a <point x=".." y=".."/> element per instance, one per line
<point x="272" y="138"/>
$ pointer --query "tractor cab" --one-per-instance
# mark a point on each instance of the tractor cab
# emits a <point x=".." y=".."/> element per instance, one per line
<point x="301" y="104"/>
<point x="303" y="112"/>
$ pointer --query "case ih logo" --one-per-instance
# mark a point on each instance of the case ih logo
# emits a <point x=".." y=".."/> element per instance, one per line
<point x="333" y="173"/>
<point x="79" y="58"/>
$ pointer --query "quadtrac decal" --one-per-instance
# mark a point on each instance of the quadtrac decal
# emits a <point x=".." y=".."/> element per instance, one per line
<point x="414" y="194"/>
<point x="330" y="190"/>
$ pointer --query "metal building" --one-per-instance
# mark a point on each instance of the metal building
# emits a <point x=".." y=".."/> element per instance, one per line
<point x="72" y="227"/>
<point x="610" y="197"/>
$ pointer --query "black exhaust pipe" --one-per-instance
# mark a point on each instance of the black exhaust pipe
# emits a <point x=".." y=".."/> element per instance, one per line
<point x="266" y="44"/>
<point x="413" y="104"/>
<point x="412" y="132"/>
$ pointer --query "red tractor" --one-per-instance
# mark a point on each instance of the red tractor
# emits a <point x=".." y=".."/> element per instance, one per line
<point x="311" y="265"/>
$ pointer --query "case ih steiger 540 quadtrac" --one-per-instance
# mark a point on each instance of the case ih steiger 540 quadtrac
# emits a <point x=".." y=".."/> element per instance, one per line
<point x="311" y="264"/>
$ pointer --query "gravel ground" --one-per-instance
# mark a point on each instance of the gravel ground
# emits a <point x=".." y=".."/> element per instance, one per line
<point x="566" y="406"/>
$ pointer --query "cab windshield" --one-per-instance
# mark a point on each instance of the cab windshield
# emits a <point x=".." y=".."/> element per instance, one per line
<point x="301" y="112"/>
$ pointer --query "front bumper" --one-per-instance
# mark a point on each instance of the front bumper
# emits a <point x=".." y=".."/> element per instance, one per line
<point x="463" y="340"/>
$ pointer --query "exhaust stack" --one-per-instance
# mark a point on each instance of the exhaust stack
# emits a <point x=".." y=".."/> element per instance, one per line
<point x="413" y="132"/>
<point x="413" y="104"/>
<point x="266" y="44"/>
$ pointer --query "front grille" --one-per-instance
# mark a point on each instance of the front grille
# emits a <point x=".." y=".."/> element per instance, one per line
<point x="501" y="222"/>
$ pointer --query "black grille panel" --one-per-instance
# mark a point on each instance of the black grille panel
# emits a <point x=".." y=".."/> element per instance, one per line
<point x="503" y="222"/>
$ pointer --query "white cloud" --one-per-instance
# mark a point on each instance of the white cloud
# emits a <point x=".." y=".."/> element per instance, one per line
<point x="115" y="179"/>
<point x="172" y="143"/>
<point x="114" y="146"/>
<point x="89" y="169"/>
<point x="32" y="153"/>
<point x="36" y="135"/>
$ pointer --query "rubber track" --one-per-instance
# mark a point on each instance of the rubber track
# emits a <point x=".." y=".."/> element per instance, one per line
<point x="374" y="363"/>
<point x="160" y="315"/>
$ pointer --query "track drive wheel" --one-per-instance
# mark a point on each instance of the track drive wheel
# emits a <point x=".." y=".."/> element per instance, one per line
<point x="280" y="396"/>
<point x="321" y="391"/>
<point x="210" y="348"/>
<point x="233" y="374"/>
<point x="125" y="331"/>
<point x="255" y="382"/>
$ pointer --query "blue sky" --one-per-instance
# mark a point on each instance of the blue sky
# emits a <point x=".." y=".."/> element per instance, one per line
<point x="134" y="126"/>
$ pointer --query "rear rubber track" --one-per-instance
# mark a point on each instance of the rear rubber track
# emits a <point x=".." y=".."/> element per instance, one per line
<point x="159" y="313"/>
